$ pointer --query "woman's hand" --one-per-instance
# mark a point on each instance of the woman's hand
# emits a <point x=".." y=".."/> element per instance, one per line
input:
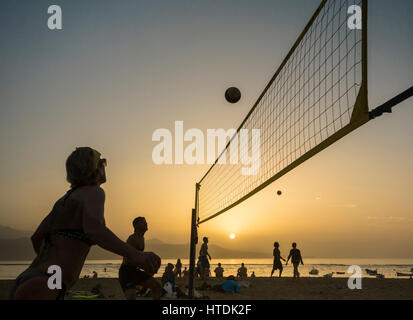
<point x="148" y="261"/>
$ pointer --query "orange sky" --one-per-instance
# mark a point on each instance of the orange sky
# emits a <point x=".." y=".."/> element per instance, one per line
<point x="110" y="86"/>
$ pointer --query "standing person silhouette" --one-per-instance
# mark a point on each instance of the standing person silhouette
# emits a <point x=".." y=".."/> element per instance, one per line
<point x="296" y="258"/>
<point x="203" y="259"/>
<point x="277" y="259"/>
<point x="178" y="268"/>
<point x="75" y="223"/>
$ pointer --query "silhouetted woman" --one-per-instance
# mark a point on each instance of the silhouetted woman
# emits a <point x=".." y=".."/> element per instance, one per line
<point x="75" y="223"/>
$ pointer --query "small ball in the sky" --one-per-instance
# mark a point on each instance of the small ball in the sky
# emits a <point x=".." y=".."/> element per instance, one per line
<point x="279" y="192"/>
<point x="233" y="95"/>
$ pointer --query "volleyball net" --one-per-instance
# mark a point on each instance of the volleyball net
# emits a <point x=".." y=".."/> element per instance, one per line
<point x="317" y="96"/>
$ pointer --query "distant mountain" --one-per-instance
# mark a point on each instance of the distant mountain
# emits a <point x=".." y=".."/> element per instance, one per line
<point x="21" y="249"/>
<point x="171" y="251"/>
<point x="154" y="241"/>
<point x="10" y="233"/>
<point x="16" y="249"/>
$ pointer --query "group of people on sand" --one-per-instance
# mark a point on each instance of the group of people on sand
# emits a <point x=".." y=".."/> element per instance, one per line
<point x="295" y="256"/>
<point x="203" y="266"/>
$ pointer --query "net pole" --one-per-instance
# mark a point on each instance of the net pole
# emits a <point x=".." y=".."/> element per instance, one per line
<point x="193" y="242"/>
<point x="192" y="257"/>
<point x="364" y="47"/>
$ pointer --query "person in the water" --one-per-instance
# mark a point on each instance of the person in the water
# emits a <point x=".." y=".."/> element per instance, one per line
<point x="75" y="223"/>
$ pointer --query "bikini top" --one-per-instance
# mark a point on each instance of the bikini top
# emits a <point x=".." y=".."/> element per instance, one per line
<point x="76" y="234"/>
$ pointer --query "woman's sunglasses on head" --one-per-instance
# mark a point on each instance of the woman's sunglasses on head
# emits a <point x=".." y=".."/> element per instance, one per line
<point x="103" y="162"/>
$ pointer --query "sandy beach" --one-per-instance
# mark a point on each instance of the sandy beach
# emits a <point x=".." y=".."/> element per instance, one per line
<point x="270" y="289"/>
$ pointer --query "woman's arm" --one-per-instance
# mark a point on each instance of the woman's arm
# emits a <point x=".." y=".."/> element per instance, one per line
<point x="94" y="224"/>
<point x="94" y="227"/>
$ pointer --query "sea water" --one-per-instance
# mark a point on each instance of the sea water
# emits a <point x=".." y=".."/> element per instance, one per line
<point x="261" y="267"/>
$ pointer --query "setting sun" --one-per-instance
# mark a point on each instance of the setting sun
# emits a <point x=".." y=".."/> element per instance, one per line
<point x="232" y="236"/>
